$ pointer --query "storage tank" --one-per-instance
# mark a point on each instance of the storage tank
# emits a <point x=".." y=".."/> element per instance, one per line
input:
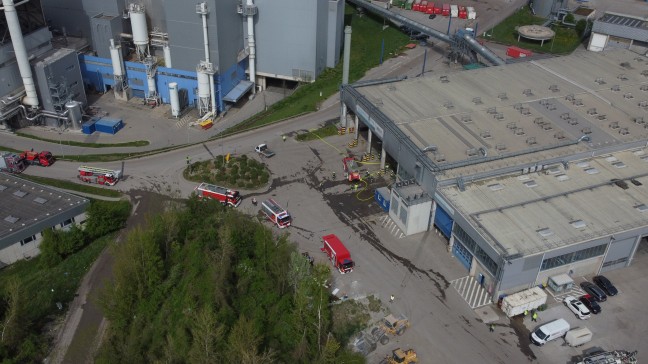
<point x="175" y="99"/>
<point x="167" y="56"/>
<point x="152" y="88"/>
<point x="116" y="58"/>
<point x="74" y="113"/>
<point x="203" y="84"/>
<point x="140" y="30"/>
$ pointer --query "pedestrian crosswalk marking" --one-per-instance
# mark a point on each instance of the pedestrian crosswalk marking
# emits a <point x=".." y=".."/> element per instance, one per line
<point x="471" y="291"/>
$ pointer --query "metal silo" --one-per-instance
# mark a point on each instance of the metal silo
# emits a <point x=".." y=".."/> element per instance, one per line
<point x="74" y="113"/>
<point x="140" y="29"/>
<point x="203" y="91"/>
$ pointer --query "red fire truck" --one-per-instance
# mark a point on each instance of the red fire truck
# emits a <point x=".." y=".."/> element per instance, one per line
<point x="11" y="162"/>
<point x="337" y="253"/>
<point x="351" y="169"/>
<point x="43" y="158"/>
<point x="222" y="194"/>
<point x="276" y="213"/>
<point x="99" y="176"/>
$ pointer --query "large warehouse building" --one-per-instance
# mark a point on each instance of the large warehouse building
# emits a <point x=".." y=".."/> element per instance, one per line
<point x="529" y="170"/>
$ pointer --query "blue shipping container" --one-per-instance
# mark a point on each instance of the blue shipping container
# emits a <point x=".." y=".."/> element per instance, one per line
<point x="88" y="127"/>
<point x="109" y="126"/>
<point x="382" y="196"/>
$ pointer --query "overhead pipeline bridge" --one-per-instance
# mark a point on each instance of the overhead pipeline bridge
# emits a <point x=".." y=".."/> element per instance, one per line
<point x="462" y="43"/>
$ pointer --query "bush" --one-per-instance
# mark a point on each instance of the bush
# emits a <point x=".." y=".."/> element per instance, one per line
<point x="104" y="217"/>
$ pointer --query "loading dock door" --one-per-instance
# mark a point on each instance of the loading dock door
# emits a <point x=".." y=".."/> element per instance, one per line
<point x="443" y="221"/>
<point x="618" y="254"/>
<point x="462" y="254"/>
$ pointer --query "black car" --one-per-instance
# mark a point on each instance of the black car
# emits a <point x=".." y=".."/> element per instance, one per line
<point x="605" y="285"/>
<point x="591" y="303"/>
<point x="432" y="16"/>
<point x="594" y="291"/>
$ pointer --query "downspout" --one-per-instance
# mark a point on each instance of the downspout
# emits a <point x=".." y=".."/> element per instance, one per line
<point x="21" y="52"/>
<point x="252" y="47"/>
<point x="211" y="75"/>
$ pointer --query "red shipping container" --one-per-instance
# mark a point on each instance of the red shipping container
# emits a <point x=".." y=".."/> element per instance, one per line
<point x="517" y="52"/>
<point x="446" y="10"/>
<point x="430" y="8"/>
<point x="417" y="5"/>
<point x="437" y="9"/>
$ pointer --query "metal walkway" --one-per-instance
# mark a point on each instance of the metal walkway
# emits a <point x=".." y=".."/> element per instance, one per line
<point x="470" y="290"/>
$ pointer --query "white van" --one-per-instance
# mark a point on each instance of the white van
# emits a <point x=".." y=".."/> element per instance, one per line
<point x="550" y="331"/>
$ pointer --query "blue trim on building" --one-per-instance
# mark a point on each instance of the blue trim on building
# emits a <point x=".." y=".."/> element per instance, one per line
<point x="97" y="72"/>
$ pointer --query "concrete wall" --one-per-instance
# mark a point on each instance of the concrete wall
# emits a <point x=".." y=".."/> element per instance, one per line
<point x="103" y="29"/>
<point x="419" y="218"/>
<point x="335" y="31"/>
<point x="37" y="43"/>
<point x="294" y="22"/>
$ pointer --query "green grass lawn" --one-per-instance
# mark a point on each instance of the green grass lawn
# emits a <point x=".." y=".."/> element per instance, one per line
<point x="366" y="42"/>
<point x="136" y="143"/>
<point x="323" y="132"/>
<point x="565" y="41"/>
<point x="67" y="185"/>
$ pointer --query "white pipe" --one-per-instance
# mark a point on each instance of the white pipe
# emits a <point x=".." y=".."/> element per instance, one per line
<point x="213" y="93"/>
<point x="167" y="56"/>
<point x="252" y="46"/>
<point x="21" y="52"/>
<point x="205" y="37"/>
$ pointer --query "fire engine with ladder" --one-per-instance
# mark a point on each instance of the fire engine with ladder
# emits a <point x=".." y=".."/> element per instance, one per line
<point x="101" y="176"/>
<point x="276" y="213"/>
<point x="222" y="194"/>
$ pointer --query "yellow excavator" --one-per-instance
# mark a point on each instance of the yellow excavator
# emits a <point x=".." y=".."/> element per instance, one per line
<point x="400" y="356"/>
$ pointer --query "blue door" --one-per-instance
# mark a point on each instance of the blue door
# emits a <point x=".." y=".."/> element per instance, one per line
<point x="462" y="254"/>
<point x="443" y="221"/>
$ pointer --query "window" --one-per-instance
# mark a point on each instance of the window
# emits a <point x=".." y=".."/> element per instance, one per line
<point x="568" y="258"/>
<point x="475" y="249"/>
<point x="67" y="222"/>
<point x="27" y="240"/>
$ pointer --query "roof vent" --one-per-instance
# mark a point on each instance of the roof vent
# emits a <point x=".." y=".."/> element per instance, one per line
<point x="620" y="183"/>
<point x="591" y="171"/>
<point x="531" y="184"/>
<point x="578" y="224"/>
<point x="546" y="232"/>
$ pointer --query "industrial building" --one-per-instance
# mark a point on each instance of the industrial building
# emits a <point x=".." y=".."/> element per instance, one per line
<point x="27" y="210"/>
<point x="528" y="170"/>
<point x="205" y="56"/>
<point x="613" y="30"/>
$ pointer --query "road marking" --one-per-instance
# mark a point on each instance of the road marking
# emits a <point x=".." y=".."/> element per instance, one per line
<point x="469" y="289"/>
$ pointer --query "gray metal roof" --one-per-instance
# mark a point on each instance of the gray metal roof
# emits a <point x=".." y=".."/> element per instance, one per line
<point x="555" y="207"/>
<point x="494" y="117"/>
<point x="622" y="26"/>
<point x="28" y="208"/>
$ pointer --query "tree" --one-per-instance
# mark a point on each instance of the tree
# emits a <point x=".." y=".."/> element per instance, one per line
<point x="244" y="341"/>
<point x="13" y="326"/>
<point x="206" y="336"/>
<point x="105" y="217"/>
<point x="580" y="27"/>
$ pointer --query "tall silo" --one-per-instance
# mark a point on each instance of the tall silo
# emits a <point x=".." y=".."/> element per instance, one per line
<point x="140" y="29"/>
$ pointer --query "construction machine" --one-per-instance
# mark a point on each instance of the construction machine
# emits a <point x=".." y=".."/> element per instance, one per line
<point x="400" y="356"/>
<point x="394" y="325"/>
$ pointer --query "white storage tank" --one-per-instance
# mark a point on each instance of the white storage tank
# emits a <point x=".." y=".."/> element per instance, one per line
<point x="152" y="88"/>
<point x="74" y="113"/>
<point x="175" y="99"/>
<point x="140" y="29"/>
<point x="116" y="58"/>
<point x="203" y="84"/>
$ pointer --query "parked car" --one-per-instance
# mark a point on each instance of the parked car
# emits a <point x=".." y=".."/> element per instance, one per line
<point x="432" y="16"/>
<point x="594" y="291"/>
<point x="605" y="285"/>
<point x="591" y="304"/>
<point x="577" y="307"/>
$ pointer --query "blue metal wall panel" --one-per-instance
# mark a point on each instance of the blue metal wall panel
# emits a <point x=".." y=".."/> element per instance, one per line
<point x="443" y="221"/>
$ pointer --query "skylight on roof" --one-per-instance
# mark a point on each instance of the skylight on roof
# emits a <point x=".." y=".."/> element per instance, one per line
<point x="11" y="219"/>
<point x="582" y="164"/>
<point x="20" y="193"/>
<point x="611" y="159"/>
<point x="642" y="207"/>
<point x="578" y="224"/>
<point x="619" y="164"/>
<point x="40" y="200"/>
<point x="546" y="232"/>
<point x="2" y="188"/>
<point x="562" y="177"/>
<point x="531" y="184"/>
<point x="553" y="170"/>
<point x="591" y="170"/>
<point x="496" y="187"/>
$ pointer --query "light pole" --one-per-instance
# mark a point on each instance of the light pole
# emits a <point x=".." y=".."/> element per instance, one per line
<point x="61" y="144"/>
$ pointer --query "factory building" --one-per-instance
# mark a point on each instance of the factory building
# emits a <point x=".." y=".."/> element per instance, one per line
<point x="527" y="170"/>
<point x="613" y="30"/>
<point x="27" y="210"/>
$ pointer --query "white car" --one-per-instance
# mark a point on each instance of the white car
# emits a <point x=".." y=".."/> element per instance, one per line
<point x="577" y="307"/>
